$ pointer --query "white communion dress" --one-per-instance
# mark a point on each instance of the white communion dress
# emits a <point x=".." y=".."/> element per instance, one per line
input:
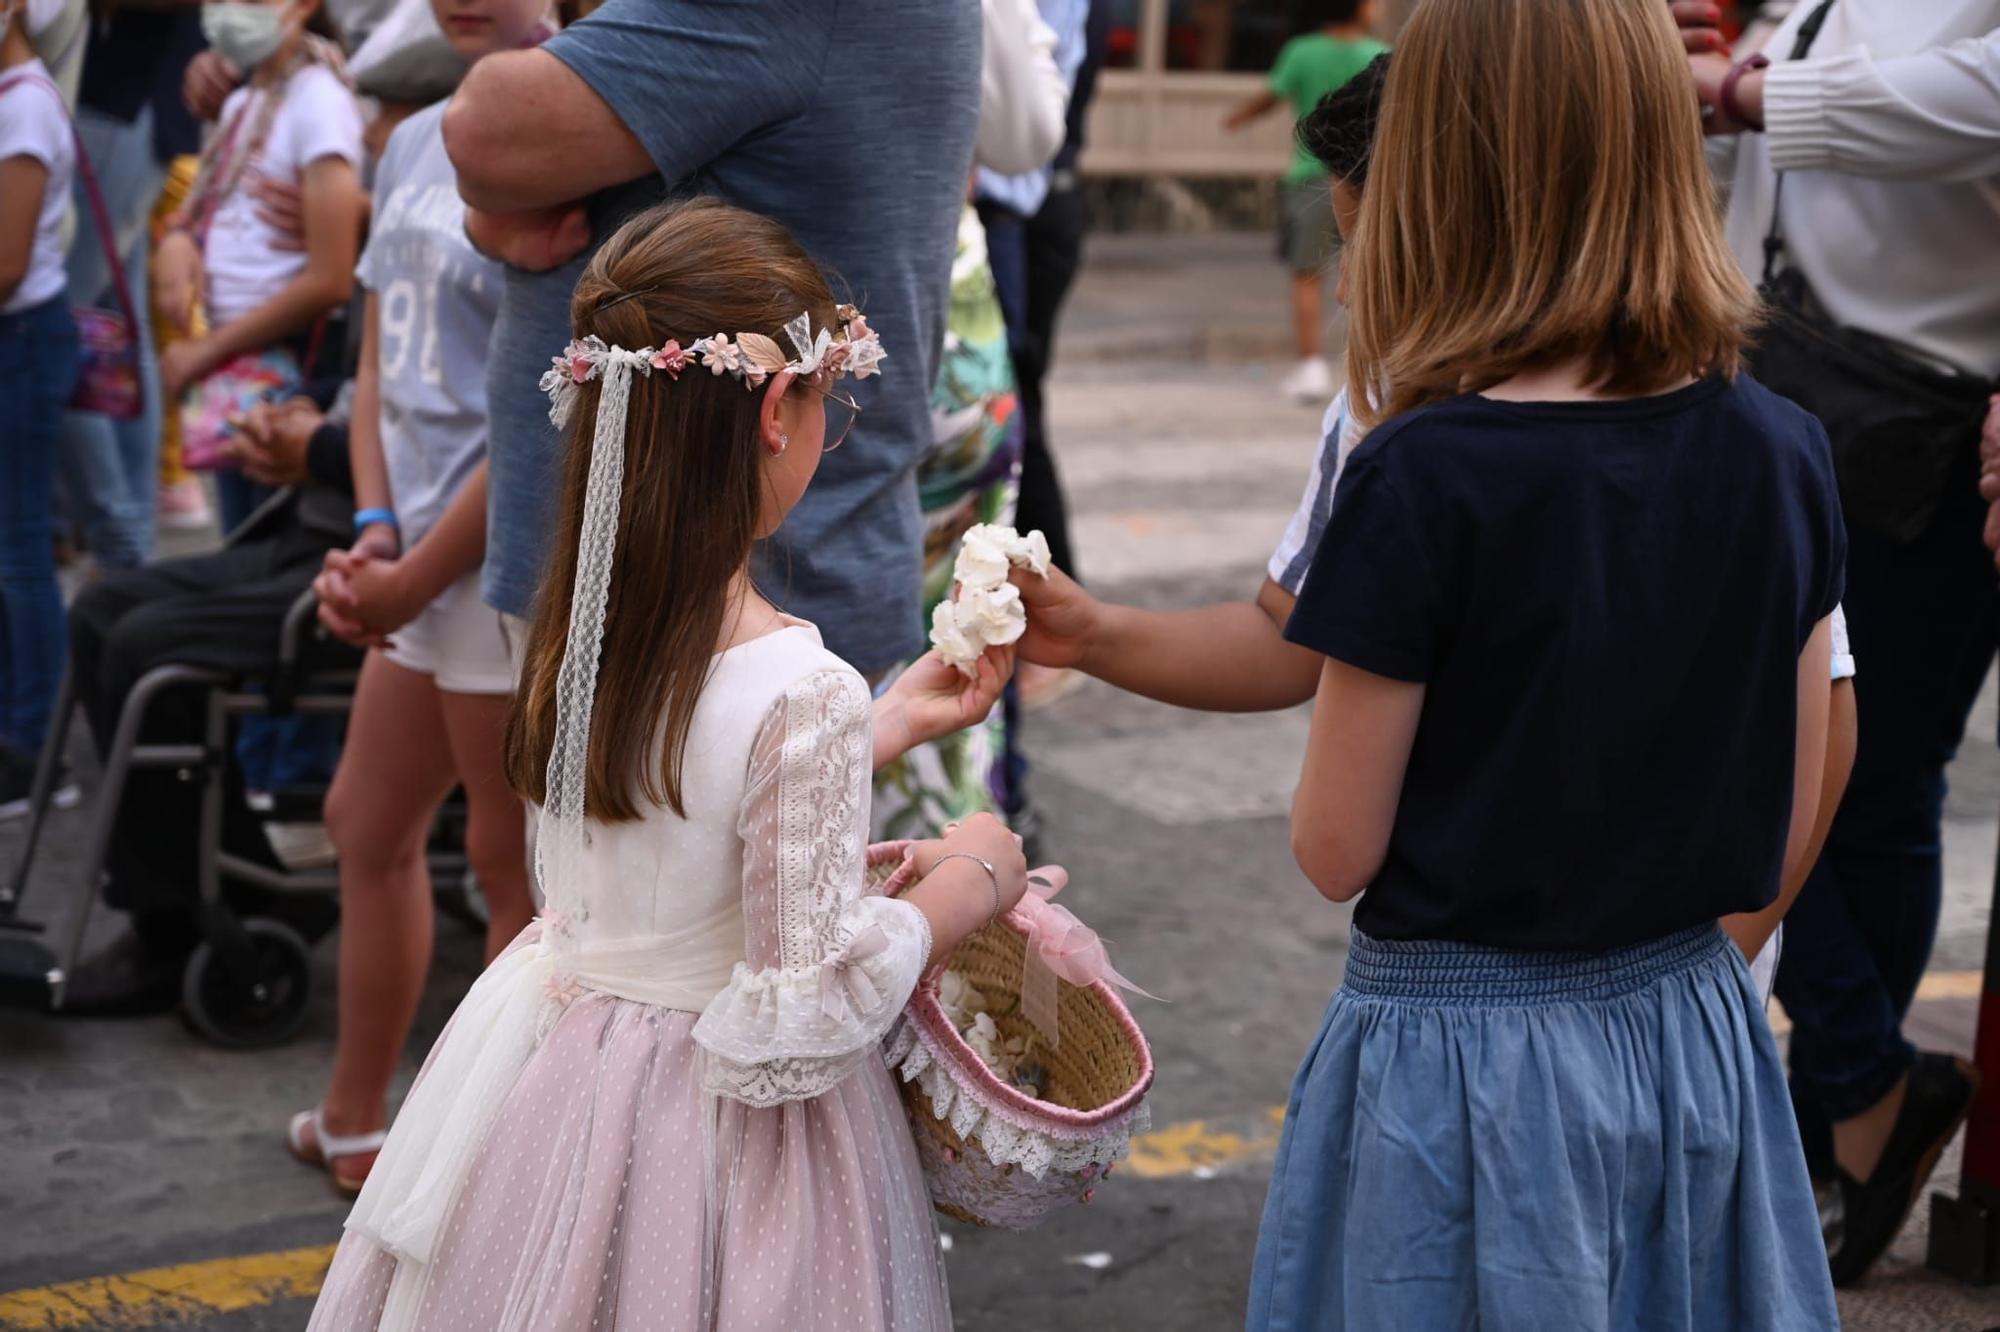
<point x="665" y="1106"/>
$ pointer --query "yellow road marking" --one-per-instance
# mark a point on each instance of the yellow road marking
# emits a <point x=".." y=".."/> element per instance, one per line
<point x="1202" y="1145"/>
<point x="190" y="1290"/>
<point x="135" y="1300"/>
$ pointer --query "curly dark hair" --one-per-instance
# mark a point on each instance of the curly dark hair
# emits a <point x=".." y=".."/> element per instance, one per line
<point x="1340" y="131"/>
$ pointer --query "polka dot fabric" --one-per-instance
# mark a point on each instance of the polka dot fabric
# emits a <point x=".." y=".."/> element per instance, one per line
<point x="614" y="1188"/>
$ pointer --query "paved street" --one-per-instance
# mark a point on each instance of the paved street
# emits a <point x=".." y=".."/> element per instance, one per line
<point x="130" y="1147"/>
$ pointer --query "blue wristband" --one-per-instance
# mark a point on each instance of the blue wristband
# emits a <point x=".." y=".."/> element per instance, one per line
<point x="370" y="517"/>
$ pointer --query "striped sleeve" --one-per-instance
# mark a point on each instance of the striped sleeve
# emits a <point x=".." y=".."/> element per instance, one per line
<point x="1293" y="556"/>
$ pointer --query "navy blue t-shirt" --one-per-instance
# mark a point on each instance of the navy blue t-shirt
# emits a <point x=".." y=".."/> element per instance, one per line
<point x="1606" y="602"/>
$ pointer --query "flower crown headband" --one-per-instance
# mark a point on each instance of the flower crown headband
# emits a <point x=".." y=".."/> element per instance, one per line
<point x="752" y="358"/>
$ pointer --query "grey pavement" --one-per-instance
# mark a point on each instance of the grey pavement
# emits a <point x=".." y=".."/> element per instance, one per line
<point x="132" y="1145"/>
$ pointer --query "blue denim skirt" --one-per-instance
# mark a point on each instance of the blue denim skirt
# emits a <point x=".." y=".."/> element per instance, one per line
<point x="1490" y="1139"/>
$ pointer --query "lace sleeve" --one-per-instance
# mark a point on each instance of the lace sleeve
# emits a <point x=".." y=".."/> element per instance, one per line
<point x="827" y="968"/>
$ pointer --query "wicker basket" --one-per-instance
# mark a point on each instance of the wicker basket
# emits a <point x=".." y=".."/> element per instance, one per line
<point x="993" y="1155"/>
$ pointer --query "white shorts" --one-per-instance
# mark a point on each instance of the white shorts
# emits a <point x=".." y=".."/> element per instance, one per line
<point x="457" y="641"/>
<point x="1764" y="967"/>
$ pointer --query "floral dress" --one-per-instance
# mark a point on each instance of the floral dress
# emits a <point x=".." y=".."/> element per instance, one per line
<point x="665" y="1107"/>
<point x="970" y="476"/>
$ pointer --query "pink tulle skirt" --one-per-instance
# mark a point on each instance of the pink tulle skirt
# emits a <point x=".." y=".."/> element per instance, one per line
<point x="586" y="1204"/>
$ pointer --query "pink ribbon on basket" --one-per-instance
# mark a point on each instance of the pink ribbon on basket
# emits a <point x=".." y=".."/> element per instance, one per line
<point x="1059" y="947"/>
<point x="843" y="983"/>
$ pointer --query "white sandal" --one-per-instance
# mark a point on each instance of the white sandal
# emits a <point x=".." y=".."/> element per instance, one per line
<point x="326" y="1150"/>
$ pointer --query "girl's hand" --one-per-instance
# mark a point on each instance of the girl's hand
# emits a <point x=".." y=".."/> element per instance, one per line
<point x="1063" y="619"/>
<point x="932" y="699"/>
<point x="182" y="365"/>
<point x="347" y="594"/>
<point x="282" y="208"/>
<point x="956" y="895"/>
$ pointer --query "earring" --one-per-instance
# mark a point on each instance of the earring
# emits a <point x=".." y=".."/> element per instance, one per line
<point x="784" y="442"/>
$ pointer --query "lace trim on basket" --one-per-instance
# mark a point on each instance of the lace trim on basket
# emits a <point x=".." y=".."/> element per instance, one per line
<point x="1007" y="1136"/>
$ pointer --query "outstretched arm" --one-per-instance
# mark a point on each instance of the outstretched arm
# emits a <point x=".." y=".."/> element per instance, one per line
<point x="1230" y="657"/>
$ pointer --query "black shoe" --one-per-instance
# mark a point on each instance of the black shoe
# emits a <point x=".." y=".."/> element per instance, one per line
<point x="17" y="784"/>
<point x="125" y="978"/>
<point x="1940" y="1094"/>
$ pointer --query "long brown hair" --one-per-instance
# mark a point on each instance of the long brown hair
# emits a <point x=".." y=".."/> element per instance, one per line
<point x="689" y="506"/>
<point x="1538" y="193"/>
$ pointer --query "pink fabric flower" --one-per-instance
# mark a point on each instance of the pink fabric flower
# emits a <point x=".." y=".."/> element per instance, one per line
<point x="670" y="358"/>
<point x="579" y="365"/>
<point x="723" y="356"/>
<point x="562" y="989"/>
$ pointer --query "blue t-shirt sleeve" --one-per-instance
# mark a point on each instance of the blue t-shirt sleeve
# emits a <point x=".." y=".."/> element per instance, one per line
<point x="692" y="77"/>
<point x="1372" y="598"/>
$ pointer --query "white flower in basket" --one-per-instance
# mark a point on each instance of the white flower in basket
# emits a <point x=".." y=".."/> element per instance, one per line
<point x="993" y="1154"/>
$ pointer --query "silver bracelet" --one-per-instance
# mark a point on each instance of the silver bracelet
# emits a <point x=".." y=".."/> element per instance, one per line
<point x="984" y="864"/>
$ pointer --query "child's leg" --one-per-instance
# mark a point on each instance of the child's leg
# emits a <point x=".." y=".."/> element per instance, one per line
<point x="1306" y="313"/>
<point x="37" y="368"/>
<point x="394" y="774"/>
<point x="496" y="842"/>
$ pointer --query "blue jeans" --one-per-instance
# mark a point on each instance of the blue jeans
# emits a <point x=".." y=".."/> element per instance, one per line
<point x="109" y="467"/>
<point x="1922" y="620"/>
<point x="38" y="368"/>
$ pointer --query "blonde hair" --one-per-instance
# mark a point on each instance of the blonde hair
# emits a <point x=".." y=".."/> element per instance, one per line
<point x="1537" y="193"/>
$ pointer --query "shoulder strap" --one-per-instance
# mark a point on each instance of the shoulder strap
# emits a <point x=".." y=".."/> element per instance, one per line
<point x="100" y="215"/>
<point x="1774" y="241"/>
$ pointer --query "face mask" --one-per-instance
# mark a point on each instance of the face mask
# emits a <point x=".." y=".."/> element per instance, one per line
<point x="246" y="35"/>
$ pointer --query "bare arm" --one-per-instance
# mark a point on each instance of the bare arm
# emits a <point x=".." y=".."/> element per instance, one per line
<point x="1837" y="731"/>
<point x="455" y="545"/>
<point x="332" y="196"/>
<point x="22" y="180"/>
<point x="1363" y="727"/>
<point x="364" y="430"/>
<point x="1256" y="108"/>
<point x="525" y="132"/>
<point x="1230" y="657"/>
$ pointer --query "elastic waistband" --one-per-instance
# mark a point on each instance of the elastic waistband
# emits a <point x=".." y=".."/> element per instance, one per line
<point x="1441" y="972"/>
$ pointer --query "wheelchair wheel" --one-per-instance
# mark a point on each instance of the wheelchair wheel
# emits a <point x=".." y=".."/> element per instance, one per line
<point x="252" y="1011"/>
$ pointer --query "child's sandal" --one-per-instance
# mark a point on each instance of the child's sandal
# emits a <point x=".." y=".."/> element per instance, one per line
<point x="308" y="1140"/>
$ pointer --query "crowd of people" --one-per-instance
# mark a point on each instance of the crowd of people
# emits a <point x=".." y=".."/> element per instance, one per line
<point x="626" y="426"/>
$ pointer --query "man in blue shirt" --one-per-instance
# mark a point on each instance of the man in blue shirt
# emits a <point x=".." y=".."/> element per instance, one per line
<point x="850" y="123"/>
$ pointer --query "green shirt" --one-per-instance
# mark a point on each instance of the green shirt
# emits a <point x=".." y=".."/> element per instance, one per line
<point x="1308" y="69"/>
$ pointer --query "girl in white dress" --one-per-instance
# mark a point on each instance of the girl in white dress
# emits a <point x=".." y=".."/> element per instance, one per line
<point x="665" y="1106"/>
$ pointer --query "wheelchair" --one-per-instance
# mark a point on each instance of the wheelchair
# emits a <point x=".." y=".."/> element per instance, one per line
<point x="248" y="982"/>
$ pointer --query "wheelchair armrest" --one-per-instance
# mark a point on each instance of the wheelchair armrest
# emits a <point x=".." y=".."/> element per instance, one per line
<point x="295" y="636"/>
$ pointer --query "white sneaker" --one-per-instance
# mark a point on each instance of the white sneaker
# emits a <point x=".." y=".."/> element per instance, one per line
<point x="1311" y="381"/>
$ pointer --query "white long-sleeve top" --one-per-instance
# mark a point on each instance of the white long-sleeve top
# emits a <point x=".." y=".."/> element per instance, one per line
<point x="1023" y="95"/>
<point x="1889" y="135"/>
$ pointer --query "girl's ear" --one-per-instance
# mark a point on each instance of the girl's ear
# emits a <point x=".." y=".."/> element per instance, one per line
<point x="771" y="430"/>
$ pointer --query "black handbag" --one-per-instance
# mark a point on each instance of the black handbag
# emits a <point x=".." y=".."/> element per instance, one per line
<point x="1903" y="429"/>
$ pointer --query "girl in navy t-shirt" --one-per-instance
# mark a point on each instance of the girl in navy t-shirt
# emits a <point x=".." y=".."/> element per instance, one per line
<point x="1573" y="594"/>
